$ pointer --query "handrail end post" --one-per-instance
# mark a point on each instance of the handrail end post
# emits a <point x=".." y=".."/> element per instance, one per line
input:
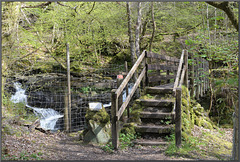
<point x="178" y="120"/>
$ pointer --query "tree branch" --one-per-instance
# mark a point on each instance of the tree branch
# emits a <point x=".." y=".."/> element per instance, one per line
<point x="38" y="6"/>
<point x="227" y="9"/>
<point x="92" y="8"/>
<point x="74" y="8"/>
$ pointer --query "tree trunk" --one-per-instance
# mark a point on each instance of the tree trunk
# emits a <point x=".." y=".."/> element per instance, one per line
<point x="228" y="10"/>
<point x="130" y="35"/>
<point x="154" y="28"/>
<point x="137" y="32"/>
<point x="235" y="134"/>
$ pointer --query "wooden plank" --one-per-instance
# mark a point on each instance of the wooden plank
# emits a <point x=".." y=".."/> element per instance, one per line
<point x="158" y="115"/>
<point x="154" y="129"/>
<point x="179" y="71"/>
<point x="115" y="122"/>
<point x="158" y="90"/>
<point x="130" y="74"/>
<point x="157" y="103"/>
<point x="178" y="120"/>
<point x="182" y="76"/>
<point x="124" y="105"/>
<point x="150" y="143"/>
<point x="126" y="70"/>
<point x="161" y="67"/>
<point x="160" y="77"/>
<point x="162" y="57"/>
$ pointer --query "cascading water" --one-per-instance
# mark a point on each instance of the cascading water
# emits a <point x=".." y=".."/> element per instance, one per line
<point x="48" y="116"/>
<point x="130" y="86"/>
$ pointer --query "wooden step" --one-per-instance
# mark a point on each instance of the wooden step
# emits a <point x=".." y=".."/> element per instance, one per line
<point x="150" y="143"/>
<point x="154" y="129"/>
<point x="158" y="110"/>
<point x="158" y="90"/>
<point x="158" y="115"/>
<point x="157" y="103"/>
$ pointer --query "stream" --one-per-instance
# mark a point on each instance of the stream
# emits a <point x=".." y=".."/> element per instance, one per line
<point x="48" y="116"/>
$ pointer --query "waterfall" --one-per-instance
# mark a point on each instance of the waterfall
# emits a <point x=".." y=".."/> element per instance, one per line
<point x="48" y="117"/>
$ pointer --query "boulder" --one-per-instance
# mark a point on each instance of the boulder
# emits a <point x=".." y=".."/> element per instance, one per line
<point x="98" y="126"/>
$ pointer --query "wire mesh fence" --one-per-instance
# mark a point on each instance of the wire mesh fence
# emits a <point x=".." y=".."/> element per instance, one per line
<point x="44" y="93"/>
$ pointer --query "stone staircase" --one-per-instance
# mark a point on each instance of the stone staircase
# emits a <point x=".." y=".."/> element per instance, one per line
<point x="157" y="117"/>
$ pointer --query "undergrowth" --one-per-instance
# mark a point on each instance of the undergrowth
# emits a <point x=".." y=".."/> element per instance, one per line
<point x="125" y="140"/>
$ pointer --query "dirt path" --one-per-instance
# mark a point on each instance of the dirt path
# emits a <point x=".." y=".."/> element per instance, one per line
<point x="18" y="143"/>
<point x="36" y="145"/>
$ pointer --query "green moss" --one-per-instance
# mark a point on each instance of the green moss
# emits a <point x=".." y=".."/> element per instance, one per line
<point x="135" y="111"/>
<point x="101" y="116"/>
<point x="129" y="128"/>
<point x="192" y="113"/>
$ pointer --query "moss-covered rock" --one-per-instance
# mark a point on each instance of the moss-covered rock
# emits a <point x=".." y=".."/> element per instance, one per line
<point x="136" y="109"/>
<point x="98" y="126"/>
<point x="101" y="116"/>
<point x="129" y="128"/>
<point x="192" y="114"/>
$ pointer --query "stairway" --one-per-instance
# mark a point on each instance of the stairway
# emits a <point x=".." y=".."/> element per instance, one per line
<point x="157" y="117"/>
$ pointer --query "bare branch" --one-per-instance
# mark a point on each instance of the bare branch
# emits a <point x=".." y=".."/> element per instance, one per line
<point x="92" y="8"/>
<point x="38" y="6"/>
<point x="74" y="8"/>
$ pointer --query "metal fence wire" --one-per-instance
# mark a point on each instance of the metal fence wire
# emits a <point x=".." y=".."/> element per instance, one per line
<point x="45" y="93"/>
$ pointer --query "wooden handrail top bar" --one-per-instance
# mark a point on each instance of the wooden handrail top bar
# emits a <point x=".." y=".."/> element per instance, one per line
<point x="162" y="57"/>
<point x="179" y="71"/>
<point x="130" y="74"/>
<point x="182" y="75"/>
<point x="124" y="105"/>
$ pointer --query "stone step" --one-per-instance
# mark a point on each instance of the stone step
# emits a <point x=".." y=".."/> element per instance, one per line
<point x="158" y="115"/>
<point x="157" y="103"/>
<point x="154" y="129"/>
<point x="158" y="90"/>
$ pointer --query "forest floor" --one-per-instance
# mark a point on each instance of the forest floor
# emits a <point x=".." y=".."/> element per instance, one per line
<point x="20" y="143"/>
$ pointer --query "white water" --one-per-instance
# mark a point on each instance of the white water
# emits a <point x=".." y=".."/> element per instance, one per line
<point x="124" y="95"/>
<point x="48" y="116"/>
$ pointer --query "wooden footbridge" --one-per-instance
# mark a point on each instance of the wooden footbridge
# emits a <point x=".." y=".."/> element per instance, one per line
<point x="159" y="76"/>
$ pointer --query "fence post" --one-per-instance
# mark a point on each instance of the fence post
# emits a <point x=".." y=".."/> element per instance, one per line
<point x="126" y="70"/>
<point x="145" y="79"/>
<point x="66" y="119"/>
<point x="69" y="87"/>
<point x="191" y="86"/>
<point x="120" y="98"/>
<point x="178" y="120"/>
<point x="197" y="78"/>
<point x="201" y="76"/>
<point x="115" y="123"/>
<point x="186" y="64"/>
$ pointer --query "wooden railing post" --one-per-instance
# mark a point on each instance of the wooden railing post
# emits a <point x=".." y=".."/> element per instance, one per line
<point x="126" y="70"/>
<point x="186" y="64"/>
<point x="115" y="122"/>
<point x="178" y="120"/>
<point x="191" y="86"/>
<point x="197" y="78"/>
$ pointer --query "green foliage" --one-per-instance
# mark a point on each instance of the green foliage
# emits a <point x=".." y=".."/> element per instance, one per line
<point x="23" y="156"/>
<point x="125" y="140"/>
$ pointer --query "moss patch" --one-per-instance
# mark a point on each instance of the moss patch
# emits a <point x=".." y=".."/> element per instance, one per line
<point x="101" y="116"/>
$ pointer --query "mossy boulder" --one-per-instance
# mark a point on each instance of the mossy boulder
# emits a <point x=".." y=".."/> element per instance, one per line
<point x="98" y="126"/>
<point x="192" y="114"/>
